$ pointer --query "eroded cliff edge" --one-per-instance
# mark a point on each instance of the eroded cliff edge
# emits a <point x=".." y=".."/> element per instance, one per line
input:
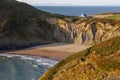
<point x="86" y="30"/>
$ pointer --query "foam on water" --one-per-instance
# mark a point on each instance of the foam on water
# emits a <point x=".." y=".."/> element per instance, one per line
<point x="34" y="60"/>
<point x="30" y="65"/>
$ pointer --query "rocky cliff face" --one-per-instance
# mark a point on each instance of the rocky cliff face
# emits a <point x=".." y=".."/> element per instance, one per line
<point x="86" y="30"/>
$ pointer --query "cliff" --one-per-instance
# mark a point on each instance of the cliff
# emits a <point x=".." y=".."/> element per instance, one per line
<point x="87" y="30"/>
<point x="100" y="62"/>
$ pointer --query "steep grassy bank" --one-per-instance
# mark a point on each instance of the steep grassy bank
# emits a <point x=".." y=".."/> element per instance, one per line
<point x="100" y="62"/>
<point x="22" y="21"/>
<point x="22" y="24"/>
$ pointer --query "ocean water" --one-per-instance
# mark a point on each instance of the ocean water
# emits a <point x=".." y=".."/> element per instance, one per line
<point x="77" y="10"/>
<point x="19" y="67"/>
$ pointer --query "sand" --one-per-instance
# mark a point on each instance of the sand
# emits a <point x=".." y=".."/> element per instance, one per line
<point x="58" y="51"/>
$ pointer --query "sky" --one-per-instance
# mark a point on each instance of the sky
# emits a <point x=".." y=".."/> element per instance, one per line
<point x="72" y="2"/>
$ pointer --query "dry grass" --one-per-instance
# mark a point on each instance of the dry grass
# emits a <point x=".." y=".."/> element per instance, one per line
<point x="100" y="62"/>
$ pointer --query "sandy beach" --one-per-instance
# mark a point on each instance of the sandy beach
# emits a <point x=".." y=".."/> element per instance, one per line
<point x="58" y="51"/>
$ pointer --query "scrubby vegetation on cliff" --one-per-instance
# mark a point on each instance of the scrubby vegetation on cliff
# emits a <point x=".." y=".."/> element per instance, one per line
<point x="21" y="20"/>
<point x="100" y="62"/>
<point x="21" y="23"/>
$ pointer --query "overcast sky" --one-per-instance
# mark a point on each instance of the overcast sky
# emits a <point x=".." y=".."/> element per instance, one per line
<point x="73" y="2"/>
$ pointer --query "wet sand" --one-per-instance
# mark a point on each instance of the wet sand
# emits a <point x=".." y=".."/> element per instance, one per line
<point x="58" y="51"/>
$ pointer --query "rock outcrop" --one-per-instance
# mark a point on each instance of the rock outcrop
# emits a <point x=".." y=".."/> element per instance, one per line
<point x="86" y="30"/>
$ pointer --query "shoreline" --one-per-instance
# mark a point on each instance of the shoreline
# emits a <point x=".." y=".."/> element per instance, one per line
<point x="54" y="55"/>
<point x="14" y="46"/>
<point x="55" y="51"/>
<point x="28" y="55"/>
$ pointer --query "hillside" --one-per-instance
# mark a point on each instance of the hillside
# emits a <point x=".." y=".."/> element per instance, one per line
<point x="22" y="24"/>
<point x="21" y="21"/>
<point x="100" y="62"/>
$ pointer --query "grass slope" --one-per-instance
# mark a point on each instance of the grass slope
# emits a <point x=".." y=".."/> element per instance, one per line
<point x="114" y="16"/>
<point x="21" y="23"/>
<point x="100" y="62"/>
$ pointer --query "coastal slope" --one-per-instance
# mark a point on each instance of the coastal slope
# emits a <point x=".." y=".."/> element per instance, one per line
<point x="20" y="21"/>
<point x="22" y="25"/>
<point x="100" y="62"/>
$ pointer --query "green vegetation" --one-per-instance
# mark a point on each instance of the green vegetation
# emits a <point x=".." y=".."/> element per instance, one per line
<point x="114" y="16"/>
<point x="100" y="62"/>
<point x="21" y="23"/>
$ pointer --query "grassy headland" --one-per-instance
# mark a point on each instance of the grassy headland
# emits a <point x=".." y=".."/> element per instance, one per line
<point x="22" y="24"/>
<point x="100" y="62"/>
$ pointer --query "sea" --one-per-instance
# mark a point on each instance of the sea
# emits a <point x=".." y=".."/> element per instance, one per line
<point x="23" y="67"/>
<point x="78" y="10"/>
